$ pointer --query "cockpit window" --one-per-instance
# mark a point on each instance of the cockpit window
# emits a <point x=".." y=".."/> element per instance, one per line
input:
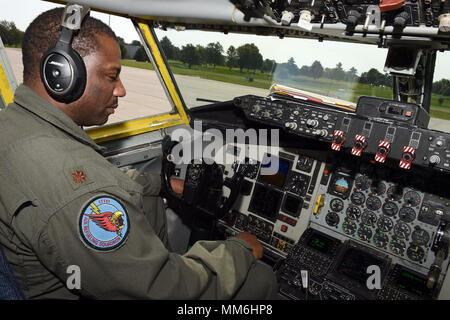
<point x="212" y="66"/>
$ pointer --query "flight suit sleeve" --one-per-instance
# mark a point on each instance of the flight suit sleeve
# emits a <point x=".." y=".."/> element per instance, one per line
<point x="120" y="256"/>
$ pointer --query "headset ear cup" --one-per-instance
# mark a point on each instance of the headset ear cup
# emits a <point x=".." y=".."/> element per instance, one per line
<point x="63" y="74"/>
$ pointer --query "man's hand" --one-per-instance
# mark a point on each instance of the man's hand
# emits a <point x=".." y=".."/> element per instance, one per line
<point x="253" y="242"/>
<point x="177" y="185"/>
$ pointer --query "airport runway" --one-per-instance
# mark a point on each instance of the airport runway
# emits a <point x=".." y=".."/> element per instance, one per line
<point x="145" y="95"/>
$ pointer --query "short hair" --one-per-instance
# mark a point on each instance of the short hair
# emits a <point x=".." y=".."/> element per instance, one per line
<point x="45" y="30"/>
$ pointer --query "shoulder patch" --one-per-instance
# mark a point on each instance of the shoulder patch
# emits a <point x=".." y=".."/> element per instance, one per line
<point x="104" y="223"/>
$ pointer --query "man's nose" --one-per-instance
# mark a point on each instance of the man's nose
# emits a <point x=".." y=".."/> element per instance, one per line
<point x="119" y="90"/>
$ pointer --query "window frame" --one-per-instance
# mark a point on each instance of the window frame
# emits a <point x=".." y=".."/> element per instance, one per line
<point x="179" y="114"/>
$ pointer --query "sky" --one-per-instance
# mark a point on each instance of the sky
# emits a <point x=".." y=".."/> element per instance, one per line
<point x="329" y="53"/>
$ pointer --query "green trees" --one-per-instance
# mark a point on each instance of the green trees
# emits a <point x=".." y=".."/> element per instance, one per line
<point x="441" y="87"/>
<point x="169" y="49"/>
<point x="374" y="77"/>
<point x="189" y="55"/>
<point x="9" y="33"/>
<point x="249" y="57"/>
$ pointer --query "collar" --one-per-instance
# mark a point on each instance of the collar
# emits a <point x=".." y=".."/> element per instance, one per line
<point x="31" y="101"/>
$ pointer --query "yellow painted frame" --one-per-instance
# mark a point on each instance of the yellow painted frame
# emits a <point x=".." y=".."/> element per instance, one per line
<point x="157" y="122"/>
<point x="5" y="87"/>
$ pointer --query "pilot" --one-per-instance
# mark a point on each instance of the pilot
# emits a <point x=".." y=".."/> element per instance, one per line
<point x="72" y="224"/>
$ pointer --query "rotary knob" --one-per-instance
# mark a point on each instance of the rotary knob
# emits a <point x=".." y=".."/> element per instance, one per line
<point x="320" y="133"/>
<point x="434" y="159"/>
<point x="291" y="125"/>
<point x="312" y="123"/>
<point x="256" y="108"/>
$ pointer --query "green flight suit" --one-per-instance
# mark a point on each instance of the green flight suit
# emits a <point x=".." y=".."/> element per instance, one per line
<point x="54" y="183"/>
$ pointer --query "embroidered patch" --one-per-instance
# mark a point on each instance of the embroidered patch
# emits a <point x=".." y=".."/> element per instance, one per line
<point x="78" y="176"/>
<point x="104" y="223"/>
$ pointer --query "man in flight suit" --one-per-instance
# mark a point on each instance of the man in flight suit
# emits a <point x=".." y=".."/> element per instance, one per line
<point x="64" y="207"/>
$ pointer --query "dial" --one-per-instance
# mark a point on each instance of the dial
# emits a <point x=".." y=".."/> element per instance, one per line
<point x="349" y="227"/>
<point x="378" y="188"/>
<point x="395" y="193"/>
<point x="353" y="213"/>
<point x="402" y="230"/>
<point x="358" y="198"/>
<point x="385" y="224"/>
<point x="362" y="182"/>
<point x="337" y="205"/>
<point x="365" y="233"/>
<point x="420" y="236"/>
<point x="397" y="246"/>
<point x="407" y="214"/>
<point x="297" y="183"/>
<point x="412" y="198"/>
<point x="389" y="208"/>
<point x="380" y="239"/>
<point x="373" y="203"/>
<point x="332" y="219"/>
<point x="415" y="253"/>
<point x="369" y="218"/>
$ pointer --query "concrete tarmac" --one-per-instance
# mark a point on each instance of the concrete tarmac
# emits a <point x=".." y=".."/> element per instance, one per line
<point x="146" y="96"/>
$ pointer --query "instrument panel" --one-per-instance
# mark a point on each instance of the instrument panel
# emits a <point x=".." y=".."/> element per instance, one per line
<point x="335" y="213"/>
<point x="309" y="213"/>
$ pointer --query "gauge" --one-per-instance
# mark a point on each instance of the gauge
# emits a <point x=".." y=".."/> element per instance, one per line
<point x="395" y="193"/>
<point x="385" y="224"/>
<point x="369" y="218"/>
<point x="407" y="214"/>
<point x="349" y="227"/>
<point x="378" y="188"/>
<point x="415" y="253"/>
<point x="412" y="198"/>
<point x="420" y="236"/>
<point x="365" y="233"/>
<point x="337" y="205"/>
<point x="380" y="239"/>
<point x="297" y="183"/>
<point x="397" y="246"/>
<point x="402" y="230"/>
<point x="358" y="198"/>
<point x="390" y="208"/>
<point x="332" y="219"/>
<point x="362" y="182"/>
<point x="373" y="203"/>
<point x="353" y="213"/>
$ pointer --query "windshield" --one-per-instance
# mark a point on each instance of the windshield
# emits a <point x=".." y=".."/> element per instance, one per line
<point x="210" y="67"/>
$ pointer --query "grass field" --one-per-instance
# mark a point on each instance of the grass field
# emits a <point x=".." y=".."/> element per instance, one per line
<point x="333" y="88"/>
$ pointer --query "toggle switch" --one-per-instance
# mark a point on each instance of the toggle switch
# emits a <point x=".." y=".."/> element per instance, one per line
<point x="407" y="157"/>
<point x="359" y="145"/>
<point x="338" y="140"/>
<point x="383" y="150"/>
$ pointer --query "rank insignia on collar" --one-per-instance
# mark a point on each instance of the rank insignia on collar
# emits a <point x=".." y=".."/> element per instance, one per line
<point x="78" y="176"/>
<point x="104" y="223"/>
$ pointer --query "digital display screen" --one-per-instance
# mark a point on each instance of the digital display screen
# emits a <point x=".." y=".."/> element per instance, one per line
<point x="292" y="205"/>
<point x="354" y="265"/>
<point x="320" y="243"/>
<point x="412" y="283"/>
<point x="276" y="174"/>
<point x="265" y="201"/>
<point x="395" y="110"/>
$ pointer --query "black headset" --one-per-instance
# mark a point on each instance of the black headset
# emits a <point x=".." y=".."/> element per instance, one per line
<point x="62" y="69"/>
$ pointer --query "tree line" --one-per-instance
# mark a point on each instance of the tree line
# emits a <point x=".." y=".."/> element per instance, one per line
<point x="11" y="36"/>
<point x="249" y="57"/>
